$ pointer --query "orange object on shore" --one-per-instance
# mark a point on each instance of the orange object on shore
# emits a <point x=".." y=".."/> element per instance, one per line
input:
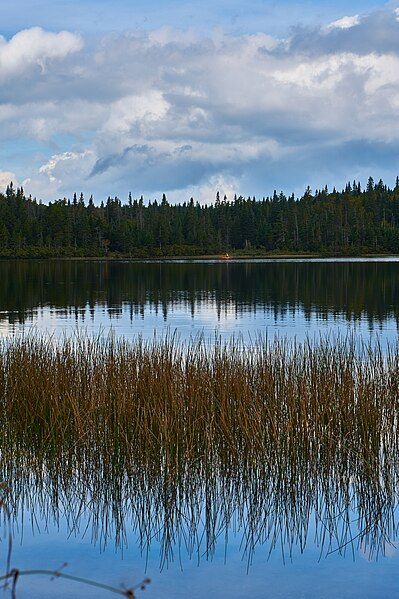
<point x="225" y="257"/>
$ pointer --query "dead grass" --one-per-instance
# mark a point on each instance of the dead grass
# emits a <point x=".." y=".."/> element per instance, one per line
<point x="189" y="436"/>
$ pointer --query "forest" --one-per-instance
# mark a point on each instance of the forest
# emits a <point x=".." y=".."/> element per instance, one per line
<point x="347" y="222"/>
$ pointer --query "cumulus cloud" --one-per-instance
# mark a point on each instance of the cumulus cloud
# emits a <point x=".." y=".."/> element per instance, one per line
<point x="35" y="47"/>
<point x="141" y="110"/>
<point x="206" y="192"/>
<point x="6" y="177"/>
<point x="59" y="173"/>
<point x="69" y="159"/>
<point x="361" y="34"/>
<point x="345" y="22"/>
<point x="166" y="111"/>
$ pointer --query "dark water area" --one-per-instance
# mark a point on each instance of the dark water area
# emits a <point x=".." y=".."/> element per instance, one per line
<point x="292" y="298"/>
<point x="238" y="534"/>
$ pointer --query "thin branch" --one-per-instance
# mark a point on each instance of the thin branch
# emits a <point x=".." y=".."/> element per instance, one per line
<point x="15" y="574"/>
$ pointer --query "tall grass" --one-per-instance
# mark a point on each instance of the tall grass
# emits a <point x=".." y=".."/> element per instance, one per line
<point x="189" y="436"/>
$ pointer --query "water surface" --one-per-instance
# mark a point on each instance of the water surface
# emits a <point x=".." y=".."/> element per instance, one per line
<point x="295" y="298"/>
<point x="292" y="298"/>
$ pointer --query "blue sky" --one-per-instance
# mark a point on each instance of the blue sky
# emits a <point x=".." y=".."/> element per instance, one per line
<point x="235" y="16"/>
<point x="191" y="98"/>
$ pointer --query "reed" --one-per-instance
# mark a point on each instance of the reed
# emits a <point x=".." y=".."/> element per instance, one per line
<point x="169" y="404"/>
<point x="201" y="435"/>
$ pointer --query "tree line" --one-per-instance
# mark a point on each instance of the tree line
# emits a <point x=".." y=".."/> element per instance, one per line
<point x="350" y="221"/>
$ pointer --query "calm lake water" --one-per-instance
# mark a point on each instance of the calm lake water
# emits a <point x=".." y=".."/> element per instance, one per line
<point x="293" y="298"/>
<point x="290" y="298"/>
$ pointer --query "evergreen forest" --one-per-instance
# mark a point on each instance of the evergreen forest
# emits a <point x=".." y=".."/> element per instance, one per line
<point x="348" y="222"/>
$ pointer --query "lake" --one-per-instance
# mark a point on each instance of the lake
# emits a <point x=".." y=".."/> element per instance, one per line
<point x="226" y="537"/>
<point x="289" y="297"/>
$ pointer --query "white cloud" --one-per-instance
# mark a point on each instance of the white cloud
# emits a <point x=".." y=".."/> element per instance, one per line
<point x="166" y="35"/>
<point x="206" y="192"/>
<point x="177" y="112"/>
<point x="51" y="166"/>
<point x="345" y="22"/>
<point x="6" y="177"/>
<point x="35" y="47"/>
<point x="49" y="181"/>
<point x="142" y="110"/>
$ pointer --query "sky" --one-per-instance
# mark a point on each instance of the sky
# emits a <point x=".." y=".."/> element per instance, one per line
<point x="193" y="98"/>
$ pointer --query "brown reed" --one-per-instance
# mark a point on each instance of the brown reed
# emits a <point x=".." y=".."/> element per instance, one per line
<point x="201" y="434"/>
<point x="171" y="404"/>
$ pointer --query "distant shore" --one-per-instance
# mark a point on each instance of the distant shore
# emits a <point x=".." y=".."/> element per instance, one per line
<point x="205" y="257"/>
<point x="218" y="257"/>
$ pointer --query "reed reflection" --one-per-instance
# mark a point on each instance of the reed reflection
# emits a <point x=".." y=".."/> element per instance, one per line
<point x="190" y="519"/>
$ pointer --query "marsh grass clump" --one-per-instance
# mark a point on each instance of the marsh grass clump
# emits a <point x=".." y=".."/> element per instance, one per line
<point x="188" y="435"/>
<point x="167" y="404"/>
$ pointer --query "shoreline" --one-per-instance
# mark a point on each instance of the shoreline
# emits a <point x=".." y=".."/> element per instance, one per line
<point x="204" y="257"/>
